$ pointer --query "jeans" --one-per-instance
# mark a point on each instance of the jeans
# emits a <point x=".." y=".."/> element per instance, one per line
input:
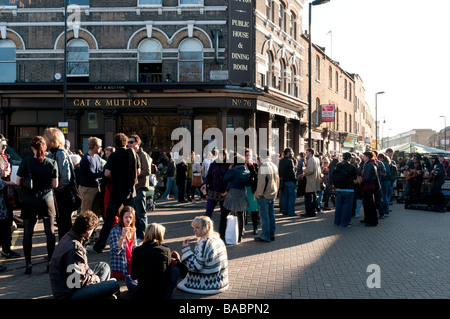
<point x="267" y="216"/>
<point x="210" y="205"/>
<point x="105" y="288"/>
<point x="140" y="204"/>
<point x="171" y="184"/>
<point x="344" y="207"/>
<point x="385" y="189"/>
<point x="289" y="196"/>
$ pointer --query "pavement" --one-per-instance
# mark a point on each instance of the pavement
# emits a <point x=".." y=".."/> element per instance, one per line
<point x="406" y="256"/>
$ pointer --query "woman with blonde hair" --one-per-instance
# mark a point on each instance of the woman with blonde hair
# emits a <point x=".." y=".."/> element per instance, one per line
<point x="208" y="264"/>
<point x="122" y="241"/>
<point x="55" y="141"/>
<point x="152" y="275"/>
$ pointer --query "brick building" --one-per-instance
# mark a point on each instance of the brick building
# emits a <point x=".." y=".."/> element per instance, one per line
<point x="151" y="66"/>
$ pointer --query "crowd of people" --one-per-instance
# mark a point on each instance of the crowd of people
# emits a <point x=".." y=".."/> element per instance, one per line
<point x="113" y="185"/>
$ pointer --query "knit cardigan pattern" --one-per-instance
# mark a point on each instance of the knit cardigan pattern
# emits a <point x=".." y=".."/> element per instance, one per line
<point x="207" y="267"/>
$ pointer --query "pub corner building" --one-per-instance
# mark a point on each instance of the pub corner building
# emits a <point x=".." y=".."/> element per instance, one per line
<point x="147" y="67"/>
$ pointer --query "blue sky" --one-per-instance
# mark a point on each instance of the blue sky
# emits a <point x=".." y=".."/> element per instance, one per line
<point x="401" y="47"/>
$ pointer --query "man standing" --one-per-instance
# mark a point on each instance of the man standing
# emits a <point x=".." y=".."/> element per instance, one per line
<point x="313" y="177"/>
<point x="70" y="274"/>
<point x="90" y="172"/>
<point x="266" y="190"/>
<point x="122" y="168"/>
<point x="288" y="178"/>
<point x="344" y="176"/>
<point x="142" y="186"/>
<point x="181" y="169"/>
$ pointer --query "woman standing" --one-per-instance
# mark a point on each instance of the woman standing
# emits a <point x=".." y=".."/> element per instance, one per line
<point x="370" y="184"/>
<point x="208" y="264"/>
<point x="215" y="190"/>
<point x="236" y="199"/>
<point x="385" y="182"/>
<point x="54" y="139"/>
<point x="38" y="202"/>
<point x="252" y="183"/>
<point x="122" y="243"/>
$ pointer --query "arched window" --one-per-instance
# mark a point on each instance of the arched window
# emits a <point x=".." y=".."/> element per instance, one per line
<point x="77" y="58"/>
<point x="293" y="26"/>
<point x="270" y="77"/>
<point x="7" y="61"/>
<point x="282" y="80"/>
<point x="150" y="61"/>
<point x="293" y="89"/>
<point x="190" y="61"/>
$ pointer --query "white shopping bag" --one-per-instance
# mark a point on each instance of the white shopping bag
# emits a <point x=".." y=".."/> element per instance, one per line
<point x="231" y="232"/>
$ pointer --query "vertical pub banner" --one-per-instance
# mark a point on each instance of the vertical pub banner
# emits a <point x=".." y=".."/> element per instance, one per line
<point x="240" y="39"/>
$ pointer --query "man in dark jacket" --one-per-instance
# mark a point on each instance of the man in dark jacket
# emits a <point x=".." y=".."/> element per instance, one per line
<point x="344" y="176"/>
<point x="181" y="180"/>
<point x="70" y="274"/>
<point x="171" y="183"/>
<point x="287" y="181"/>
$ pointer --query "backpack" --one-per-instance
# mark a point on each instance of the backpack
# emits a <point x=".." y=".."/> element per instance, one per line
<point x="340" y="177"/>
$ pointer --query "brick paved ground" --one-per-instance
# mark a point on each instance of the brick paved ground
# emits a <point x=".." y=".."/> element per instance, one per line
<point x="310" y="259"/>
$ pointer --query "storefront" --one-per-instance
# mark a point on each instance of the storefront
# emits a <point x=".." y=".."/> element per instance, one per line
<point x="103" y="111"/>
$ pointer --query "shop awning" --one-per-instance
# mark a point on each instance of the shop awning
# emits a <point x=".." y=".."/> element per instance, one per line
<point x="413" y="148"/>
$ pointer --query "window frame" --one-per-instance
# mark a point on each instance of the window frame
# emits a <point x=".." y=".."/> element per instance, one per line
<point x="13" y="63"/>
<point x="200" y="61"/>
<point x="79" y="61"/>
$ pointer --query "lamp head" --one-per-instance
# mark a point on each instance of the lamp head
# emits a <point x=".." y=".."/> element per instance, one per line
<point x="319" y="2"/>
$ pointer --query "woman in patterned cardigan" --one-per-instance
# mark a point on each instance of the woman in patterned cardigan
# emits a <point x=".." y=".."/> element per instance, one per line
<point x="208" y="263"/>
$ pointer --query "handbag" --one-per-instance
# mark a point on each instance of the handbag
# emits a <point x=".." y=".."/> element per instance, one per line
<point x="196" y="180"/>
<point x="27" y="182"/>
<point x="232" y="230"/>
<point x="69" y="195"/>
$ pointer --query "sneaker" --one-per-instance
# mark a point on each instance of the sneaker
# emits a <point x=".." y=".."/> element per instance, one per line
<point x="11" y="254"/>
<point x="348" y="226"/>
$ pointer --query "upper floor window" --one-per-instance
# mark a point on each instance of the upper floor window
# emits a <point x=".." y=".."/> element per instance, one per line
<point x="349" y="91"/>
<point x="269" y="10"/>
<point x="150" y="2"/>
<point x="191" y="2"/>
<point x="345" y="89"/>
<point x="317" y="68"/>
<point x="330" y="77"/>
<point x="7" y="61"/>
<point x="270" y="77"/>
<point x="190" y="61"/>
<point x="77" y="58"/>
<point x="293" y="26"/>
<point x="282" y="16"/>
<point x="79" y="2"/>
<point x="150" y="61"/>
<point x="337" y="82"/>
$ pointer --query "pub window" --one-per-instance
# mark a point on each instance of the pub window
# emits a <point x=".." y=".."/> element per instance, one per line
<point x="78" y="60"/>
<point x="79" y="2"/>
<point x="149" y="2"/>
<point x="191" y="2"/>
<point x="270" y="78"/>
<point x="282" y="81"/>
<point x="190" y="61"/>
<point x="7" y="61"/>
<point x="150" y="61"/>
<point x="293" y="89"/>
<point x="293" y="26"/>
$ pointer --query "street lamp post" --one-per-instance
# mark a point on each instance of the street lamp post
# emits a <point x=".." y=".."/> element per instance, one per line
<point x="313" y="3"/>
<point x="376" y="118"/>
<point x="445" y="132"/>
